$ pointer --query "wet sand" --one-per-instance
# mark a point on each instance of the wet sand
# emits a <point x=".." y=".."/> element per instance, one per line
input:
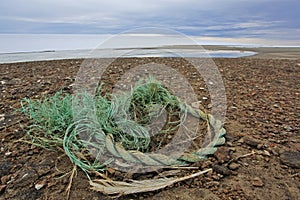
<point x="262" y="52"/>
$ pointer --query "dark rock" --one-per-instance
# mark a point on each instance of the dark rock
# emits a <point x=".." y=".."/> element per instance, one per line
<point x="222" y="170"/>
<point x="251" y="142"/>
<point x="291" y="159"/>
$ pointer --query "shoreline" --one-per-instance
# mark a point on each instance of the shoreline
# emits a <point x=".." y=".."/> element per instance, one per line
<point x="262" y="52"/>
<point x="290" y="53"/>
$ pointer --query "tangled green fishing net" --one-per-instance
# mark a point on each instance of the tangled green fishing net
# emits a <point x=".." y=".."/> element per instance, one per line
<point x="90" y="127"/>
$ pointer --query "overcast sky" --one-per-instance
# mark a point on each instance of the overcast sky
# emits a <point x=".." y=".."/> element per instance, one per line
<point x="271" y="19"/>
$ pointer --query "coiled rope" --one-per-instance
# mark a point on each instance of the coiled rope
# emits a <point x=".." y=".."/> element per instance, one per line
<point x="215" y="138"/>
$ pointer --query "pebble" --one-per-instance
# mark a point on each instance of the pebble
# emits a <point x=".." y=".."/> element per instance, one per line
<point x="39" y="186"/>
<point x="222" y="170"/>
<point x="232" y="149"/>
<point x="230" y="144"/>
<point x="210" y="83"/>
<point x="266" y="153"/>
<point x="257" y="182"/>
<point x="259" y="146"/>
<point x="8" y="153"/>
<point x="251" y="142"/>
<point x="216" y="177"/>
<point x="2" y="117"/>
<point x="2" y="188"/>
<point x="5" y="179"/>
<point x="240" y="141"/>
<point x="288" y="128"/>
<point x="233" y="166"/>
<point x="267" y="159"/>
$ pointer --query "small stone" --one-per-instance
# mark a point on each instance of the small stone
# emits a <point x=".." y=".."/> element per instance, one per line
<point x="233" y="149"/>
<point x="215" y="177"/>
<point x="258" y="158"/>
<point x="281" y="151"/>
<point x="40" y="185"/>
<point x="251" y="141"/>
<point x="5" y="179"/>
<point x="204" y="98"/>
<point x="266" y="153"/>
<point x="275" y="151"/>
<point x="240" y="141"/>
<point x="2" y="117"/>
<point x="2" y="188"/>
<point x="210" y="83"/>
<point x="230" y="144"/>
<point x="8" y="153"/>
<point x="288" y="128"/>
<point x="284" y="167"/>
<point x="233" y="107"/>
<point x="222" y="170"/>
<point x="260" y="146"/>
<point x="233" y="166"/>
<point x="291" y="159"/>
<point x="257" y="182"/>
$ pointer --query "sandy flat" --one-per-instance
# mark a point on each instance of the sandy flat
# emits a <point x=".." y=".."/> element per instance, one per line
<point x="262" y="52"/>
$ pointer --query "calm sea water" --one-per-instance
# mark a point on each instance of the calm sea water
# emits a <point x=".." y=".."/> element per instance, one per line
<point x="19" y="48"/>
<point x="54" y="55"/>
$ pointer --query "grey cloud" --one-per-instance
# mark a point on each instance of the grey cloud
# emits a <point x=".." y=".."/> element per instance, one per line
<point x="235" y="18"/>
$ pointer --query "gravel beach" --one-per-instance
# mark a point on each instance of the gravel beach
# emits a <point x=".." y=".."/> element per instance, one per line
<point x="260" y="159"/>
